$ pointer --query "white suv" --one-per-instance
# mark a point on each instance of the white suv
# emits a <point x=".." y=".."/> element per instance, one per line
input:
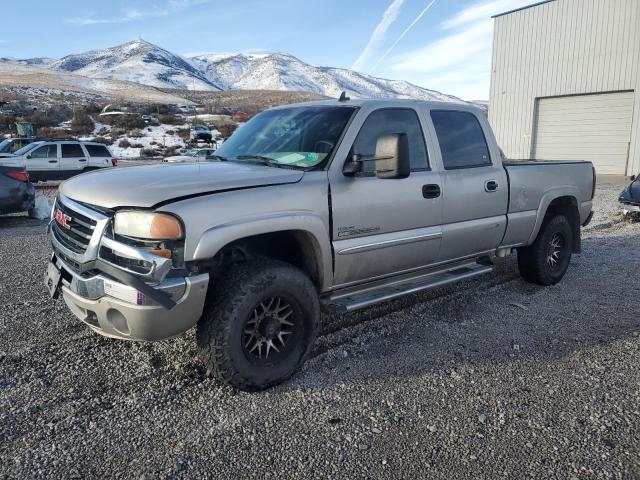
<point x="61" y="159"/>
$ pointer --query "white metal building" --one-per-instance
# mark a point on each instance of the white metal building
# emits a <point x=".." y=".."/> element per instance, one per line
<point x="565" y="83"/>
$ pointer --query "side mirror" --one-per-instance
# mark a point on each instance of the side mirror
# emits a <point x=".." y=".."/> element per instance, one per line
<point x="633" y="178"/>
<point x="391" y="157"/>
<point x="29" y="155"/>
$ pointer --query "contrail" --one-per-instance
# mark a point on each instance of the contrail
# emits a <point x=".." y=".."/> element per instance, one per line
<point x="417" y="19"/>
<point x="390" y="15"/>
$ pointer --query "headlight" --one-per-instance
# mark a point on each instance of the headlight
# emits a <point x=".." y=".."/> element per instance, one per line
<point x="147" y="225"/>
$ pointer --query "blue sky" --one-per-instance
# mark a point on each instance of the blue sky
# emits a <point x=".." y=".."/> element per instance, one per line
<point x="440" y="44"/>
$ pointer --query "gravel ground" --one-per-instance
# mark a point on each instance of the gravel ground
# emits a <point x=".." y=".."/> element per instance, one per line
<point x="492" y="378"/>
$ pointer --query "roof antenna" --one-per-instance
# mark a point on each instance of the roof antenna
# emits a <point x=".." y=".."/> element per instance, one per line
<point x="343" y="97"/>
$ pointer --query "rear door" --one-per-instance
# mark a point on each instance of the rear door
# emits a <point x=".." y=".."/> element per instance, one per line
<point x="383" y="227"/>
<point x="99" y="155"/>
<point x="72" y="159"/>
<point x="43" y="163"/>
<point x="475" y="186"/>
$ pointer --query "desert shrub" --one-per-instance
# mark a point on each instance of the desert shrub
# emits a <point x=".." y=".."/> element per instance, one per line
<point x="7" y="123"/>
<point x="170" y="119"/>
<point x="136" y="133"/>
<point x="117" y="132"/>
<point x="50" y="118"/>
<point x="103" y="140"/>
<point x="226" y="128"/>
<point x="148" y="152"/>
<point x="153" y="142"/>
<point x="126" y="121"/>
<point x="103" y="131"/>
<point x="169" y="151"/>
<point x="171" y="132"/>
<point x="82" y="124"/>
<point x="48" y="132"/>
<point x="137" y="145"/>
<point x="184" y="134"/>
<point x="124" y="143"/>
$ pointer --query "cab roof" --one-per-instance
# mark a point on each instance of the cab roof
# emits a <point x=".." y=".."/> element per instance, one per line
<point x="374" y="103"/>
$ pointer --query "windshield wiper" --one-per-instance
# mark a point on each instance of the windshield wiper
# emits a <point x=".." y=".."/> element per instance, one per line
<point x="268" y="160"/>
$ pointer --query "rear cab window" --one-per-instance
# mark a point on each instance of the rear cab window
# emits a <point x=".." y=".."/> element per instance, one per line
<point x="462" y="141"/>
<point x="97" y="150"/>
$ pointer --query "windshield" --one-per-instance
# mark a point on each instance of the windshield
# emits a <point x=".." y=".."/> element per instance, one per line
<point x="5" y="146"/>
<point x="26" y="148"/>
<point x="298" y="136"/>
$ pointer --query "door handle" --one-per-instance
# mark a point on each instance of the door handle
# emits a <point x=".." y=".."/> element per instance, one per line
<point x="431" y="191"/>
<point x="82" y="160"/>
<point x="53" y="161"/>
<point x="490" y="186"/>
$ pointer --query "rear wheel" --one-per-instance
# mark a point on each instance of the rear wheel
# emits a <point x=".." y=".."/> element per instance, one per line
<point x="546" y="261"/>
<point x="259" y="324"/>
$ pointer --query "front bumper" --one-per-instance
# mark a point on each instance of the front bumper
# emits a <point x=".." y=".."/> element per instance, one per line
<point x="117" y="310"/>
<point x="629" y="207"/>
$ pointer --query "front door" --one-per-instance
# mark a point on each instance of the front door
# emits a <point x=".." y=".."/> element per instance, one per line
<point x="42" y="162"/>
<point x="383" y="227"/>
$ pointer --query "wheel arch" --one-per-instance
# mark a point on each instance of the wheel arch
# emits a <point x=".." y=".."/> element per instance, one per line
<point x="303" y="243"/>
<point x="559" y="203"/>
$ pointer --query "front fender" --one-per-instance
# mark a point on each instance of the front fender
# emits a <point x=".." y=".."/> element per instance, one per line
<point x="217" y="237"/>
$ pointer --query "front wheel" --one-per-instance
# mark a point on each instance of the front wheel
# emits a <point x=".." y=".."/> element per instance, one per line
<point x="546" y="261"/>
<point x="259" y="324"/>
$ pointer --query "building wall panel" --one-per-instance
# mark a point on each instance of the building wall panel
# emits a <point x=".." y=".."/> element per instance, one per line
<point x="559" y="48"/>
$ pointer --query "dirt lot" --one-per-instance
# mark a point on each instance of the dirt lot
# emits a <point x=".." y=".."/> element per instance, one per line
<point x="493" y="378"/>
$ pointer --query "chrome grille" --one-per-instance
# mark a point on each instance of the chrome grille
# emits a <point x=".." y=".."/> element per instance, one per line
<point x="75" y="231"/>
<point x="77" y="237"/>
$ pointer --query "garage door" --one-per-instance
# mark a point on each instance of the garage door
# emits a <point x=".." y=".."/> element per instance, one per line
<point x="586" y="127"/>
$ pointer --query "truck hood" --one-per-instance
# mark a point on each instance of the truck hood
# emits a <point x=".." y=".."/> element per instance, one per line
<point x="148" y="186"/>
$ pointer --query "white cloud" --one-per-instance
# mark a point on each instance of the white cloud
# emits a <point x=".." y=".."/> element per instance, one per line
<point x="402" y="35"/>
<point x="480" y="11"/>
<point x="390" y="15"/>
<point x="459" y="62"/>
<point x="171" y="7"/>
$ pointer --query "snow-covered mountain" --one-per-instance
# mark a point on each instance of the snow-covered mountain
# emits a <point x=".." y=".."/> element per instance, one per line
<point x="280" y="71"/>
<point x="139" y="62"/>
<point x="142" y="62"/>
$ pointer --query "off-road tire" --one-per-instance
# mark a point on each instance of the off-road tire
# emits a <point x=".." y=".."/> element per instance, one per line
<point x="231" y="301"/>
<point x="533" y="260"/>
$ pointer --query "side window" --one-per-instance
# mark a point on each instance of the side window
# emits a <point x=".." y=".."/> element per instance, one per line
<point x="97" y="150"/>
<point x="392" y="120"/>
<point x="46" y="151"/>
<point x="461" y="139"/>
<point x="71" y="150"/>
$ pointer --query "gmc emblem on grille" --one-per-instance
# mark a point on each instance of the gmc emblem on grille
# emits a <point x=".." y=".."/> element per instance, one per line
<point x="62" y="218"/>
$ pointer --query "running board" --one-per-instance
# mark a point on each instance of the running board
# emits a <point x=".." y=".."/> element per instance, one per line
<point x="348" y="300"/>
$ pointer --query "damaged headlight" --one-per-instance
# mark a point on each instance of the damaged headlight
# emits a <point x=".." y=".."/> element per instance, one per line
<point x="147" y="225"/>
<point x="159" y="234"/>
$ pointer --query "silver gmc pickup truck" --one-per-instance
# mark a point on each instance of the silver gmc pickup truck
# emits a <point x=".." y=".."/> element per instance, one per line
<point x="333" y="205"/>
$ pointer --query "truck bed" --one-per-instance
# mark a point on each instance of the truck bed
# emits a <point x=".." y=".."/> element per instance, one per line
<point x="533" y="184"/>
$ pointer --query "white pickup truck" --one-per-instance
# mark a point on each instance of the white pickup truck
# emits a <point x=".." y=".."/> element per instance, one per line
<point x="340" y="204"/>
